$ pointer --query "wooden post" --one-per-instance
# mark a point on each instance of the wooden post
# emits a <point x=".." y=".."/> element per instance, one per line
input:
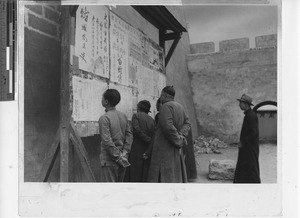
<point x="65" y="96"/>
<point x="50" y="158"/>
<point x="81" y="153"/>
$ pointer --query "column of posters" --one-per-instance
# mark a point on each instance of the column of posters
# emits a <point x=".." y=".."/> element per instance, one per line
<point x="135" y="55"/>
<point x="119" y="50"/>
<point x="91" y="40"/>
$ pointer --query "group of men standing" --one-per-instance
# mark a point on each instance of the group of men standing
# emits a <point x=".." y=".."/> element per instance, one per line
<point x="149" y="150"/>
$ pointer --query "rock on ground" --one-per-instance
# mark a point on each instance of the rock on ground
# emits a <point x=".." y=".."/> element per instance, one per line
<point x="221" y="169"/>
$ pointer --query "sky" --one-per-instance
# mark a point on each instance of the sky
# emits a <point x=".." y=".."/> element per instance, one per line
<point x="213" y="23"/>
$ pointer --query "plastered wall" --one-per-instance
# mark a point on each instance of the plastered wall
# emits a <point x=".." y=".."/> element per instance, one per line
<point x="219" y="78"/>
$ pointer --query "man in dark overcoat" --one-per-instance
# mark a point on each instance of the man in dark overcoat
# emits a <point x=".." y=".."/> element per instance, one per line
<point x="247" y="167"/>
<point x="167" y="161"/>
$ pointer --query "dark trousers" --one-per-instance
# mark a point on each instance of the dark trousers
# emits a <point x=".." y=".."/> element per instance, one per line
<point x="112" y="173"/>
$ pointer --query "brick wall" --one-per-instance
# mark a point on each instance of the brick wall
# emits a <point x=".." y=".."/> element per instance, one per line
<point x="42" y="83"/>
<point x="219" y="78"/>
<point x="43" y="19"/>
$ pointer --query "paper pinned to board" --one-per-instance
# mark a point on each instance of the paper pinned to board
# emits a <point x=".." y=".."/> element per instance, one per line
<point x="91" y="40"/>
<point x="119" y="50"/>
<point x="87" y="96"/>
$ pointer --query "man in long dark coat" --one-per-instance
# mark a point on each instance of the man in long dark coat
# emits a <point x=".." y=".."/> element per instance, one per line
<point x="247" y="168"/>
<point x="167" y="161"/>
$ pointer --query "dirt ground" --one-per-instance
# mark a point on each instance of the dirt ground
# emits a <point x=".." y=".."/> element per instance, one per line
<point x="267" y="163"/>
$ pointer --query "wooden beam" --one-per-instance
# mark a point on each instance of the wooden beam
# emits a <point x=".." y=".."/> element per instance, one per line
<point x="162" y="38"/>
<point x="78" y="138"/>
<point x="174" y="44"/>
<point x="171" y="36"/>
<point x="50" y="158"/>
<point x="65" y="113"/>
<point x="82" y="154"/>
<point x="73" y="10"/>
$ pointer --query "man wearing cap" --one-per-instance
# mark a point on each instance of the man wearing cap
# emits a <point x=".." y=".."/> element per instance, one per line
<point x="143" y="127"/>
<point x="247" y="167"/>
<point x="167" y="163"/>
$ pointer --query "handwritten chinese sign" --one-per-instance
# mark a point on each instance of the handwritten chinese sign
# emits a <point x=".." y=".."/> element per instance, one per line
<point x="91" y="41"/>
<point x="119" y="50"/>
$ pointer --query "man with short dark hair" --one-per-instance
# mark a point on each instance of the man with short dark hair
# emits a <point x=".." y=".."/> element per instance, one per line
<point x="116" y="139"/>
<point x="247" y="167"/>
<point x="167" y="163"/>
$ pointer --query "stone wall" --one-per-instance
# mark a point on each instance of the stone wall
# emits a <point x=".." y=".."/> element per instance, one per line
<point x="218" y="79"/>
<point x="42" y="82"/>
<point x="205" y="47"/>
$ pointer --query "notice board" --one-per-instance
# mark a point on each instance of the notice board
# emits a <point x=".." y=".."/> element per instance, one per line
<point x="110" y="53"/>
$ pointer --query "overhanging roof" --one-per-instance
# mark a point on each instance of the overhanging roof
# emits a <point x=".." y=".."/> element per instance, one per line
<point x="160" y="17"/>
<point x="169" y="27"/>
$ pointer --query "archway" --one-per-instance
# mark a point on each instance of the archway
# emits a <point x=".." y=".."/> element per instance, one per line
<point x="267" y="118"/>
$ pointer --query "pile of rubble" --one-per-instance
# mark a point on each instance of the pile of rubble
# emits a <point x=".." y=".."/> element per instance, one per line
<point x="208" y="145"/>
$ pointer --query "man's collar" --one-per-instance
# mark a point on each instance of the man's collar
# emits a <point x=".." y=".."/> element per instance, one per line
<point x="248" y="110"/>
<point x="110" y="108"/>
<point x="167" y="99"/>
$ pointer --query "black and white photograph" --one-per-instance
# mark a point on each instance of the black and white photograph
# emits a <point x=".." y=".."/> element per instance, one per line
<point x="131" y="109"/>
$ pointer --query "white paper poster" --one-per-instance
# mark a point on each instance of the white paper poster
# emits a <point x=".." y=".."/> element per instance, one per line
<point x="91" y="40"/>
<point x="145" y="50"/>
<point x="156" y="59"/>
<point x="119" y="50"/>
<point x="135" y="43"/>
<point x="87" y="96"/>
<point x="134" y="67"/>
<point x="156" y="87"/>
<point x="134" y="99"/>
<point x="126" y="103"/>
<point x="98" y="88"/>
<point x="161" y="82"/>
<point x="145" y="81"/>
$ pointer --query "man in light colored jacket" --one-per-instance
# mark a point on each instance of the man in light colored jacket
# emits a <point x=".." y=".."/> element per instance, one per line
<point x="116" y="139"/>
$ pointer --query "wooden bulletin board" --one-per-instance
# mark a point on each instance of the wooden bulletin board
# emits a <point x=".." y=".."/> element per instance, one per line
<point x="107" y="52"/>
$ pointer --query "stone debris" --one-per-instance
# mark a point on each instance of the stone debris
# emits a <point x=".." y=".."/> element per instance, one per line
<point x="221" y="169"/>
<point x="209" y="145"/>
